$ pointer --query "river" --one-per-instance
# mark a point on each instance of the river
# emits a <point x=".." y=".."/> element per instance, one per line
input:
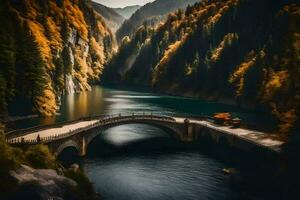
<point x="142" y="162"/>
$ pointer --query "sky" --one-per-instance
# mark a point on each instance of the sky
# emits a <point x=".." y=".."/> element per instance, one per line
<point x="122" y="3"/>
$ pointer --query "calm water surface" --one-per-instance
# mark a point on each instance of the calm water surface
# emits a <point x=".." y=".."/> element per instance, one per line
<point x="140" y="161"/>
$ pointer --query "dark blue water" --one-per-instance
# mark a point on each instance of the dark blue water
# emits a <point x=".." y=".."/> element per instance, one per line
<point x="144" y="165"/>
<point x="101" y="101"/>
<point x="143" y="162"/>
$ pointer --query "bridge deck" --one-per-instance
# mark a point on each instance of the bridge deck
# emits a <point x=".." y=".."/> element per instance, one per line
<point x="57" y="131"/>
<point x="65" y="130"/>
<point x="257" y="137"/>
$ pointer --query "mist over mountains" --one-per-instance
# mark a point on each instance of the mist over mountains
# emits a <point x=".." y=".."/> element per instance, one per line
<point x="127" y="11"/>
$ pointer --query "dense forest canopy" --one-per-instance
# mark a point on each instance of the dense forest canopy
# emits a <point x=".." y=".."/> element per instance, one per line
<point x="48" y="48"/>
<point x="127" y="11"/>
<point x="244" y="50"/>
<point x="150" y="14"/>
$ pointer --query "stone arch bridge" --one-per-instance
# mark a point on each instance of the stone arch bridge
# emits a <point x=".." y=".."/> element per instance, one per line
<point x="80" y="133"/>
<point x="61" y="136"/>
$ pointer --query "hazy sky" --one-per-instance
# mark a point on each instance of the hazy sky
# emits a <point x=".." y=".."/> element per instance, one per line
<point x="122" y="3"/>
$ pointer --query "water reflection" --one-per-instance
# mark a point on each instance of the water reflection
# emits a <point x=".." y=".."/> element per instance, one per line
<point x="142" y="163"/>
<point x="82" y="104"/>
<point x="148" y="166"/>
<point x="101" y="101"/>
<point x="47" y="120"/>
<point x="122" y="135"/>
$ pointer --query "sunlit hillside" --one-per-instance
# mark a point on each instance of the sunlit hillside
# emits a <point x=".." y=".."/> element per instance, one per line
<point x="48" y="48"/>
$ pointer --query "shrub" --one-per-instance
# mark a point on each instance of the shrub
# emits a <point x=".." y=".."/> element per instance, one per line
<point x="10" y="158"/>
<point x="39" y="156"/>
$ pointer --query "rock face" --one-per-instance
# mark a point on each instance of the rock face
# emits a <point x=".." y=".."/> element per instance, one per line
<point x="48" y="48"/>
<point x="41" y="184"/>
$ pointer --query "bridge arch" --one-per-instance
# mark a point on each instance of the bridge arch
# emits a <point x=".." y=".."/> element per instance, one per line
<point x="173" y="131"/>
<point x="67" y="144"/>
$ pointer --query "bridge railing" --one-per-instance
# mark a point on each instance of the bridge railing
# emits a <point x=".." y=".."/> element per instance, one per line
<point x="25" y="131"/>
<point x="107" y="120"/>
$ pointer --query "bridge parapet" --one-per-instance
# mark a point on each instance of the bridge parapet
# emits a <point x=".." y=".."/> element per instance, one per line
<point x="102" y="121"/>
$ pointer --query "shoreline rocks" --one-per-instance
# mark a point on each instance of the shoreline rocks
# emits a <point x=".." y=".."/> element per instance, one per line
<point x="41" y="184"/>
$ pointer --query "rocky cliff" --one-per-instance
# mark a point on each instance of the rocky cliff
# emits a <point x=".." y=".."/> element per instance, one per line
<point x="41" y="184"/>
<point x="48" y="48"/>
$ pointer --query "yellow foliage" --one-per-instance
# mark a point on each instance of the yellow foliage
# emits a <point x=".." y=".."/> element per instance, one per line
<point x="81" y="62"/>
<point x="160" y="67"/>
<point x="276" y="81"/>
<point x="188" y="70"/>
<point x="218" y="10"/>
<point x="228" y="38"/>
<point x="31" y="10"/>
<point x="37" y="31"/>
<point x="287" y="119"/>
<point x="55" y="11"/>
<point x="102" y="29"/>
<point x="75" y="17"/>
<point x="45" y="25"/>
<point x="238" y="76"/>
<point x="55" y="37"/>
<point x="46" y="103"/>
<point x="97" y="49"/>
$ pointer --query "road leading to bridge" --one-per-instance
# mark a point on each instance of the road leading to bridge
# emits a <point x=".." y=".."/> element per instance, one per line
<point x="261" y="138"/>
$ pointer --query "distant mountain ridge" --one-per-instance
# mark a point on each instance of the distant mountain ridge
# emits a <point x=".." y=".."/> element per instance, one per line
<point x="151" y="14"/>
<point x="127" y="11"/>
<point x="111" y="18"/>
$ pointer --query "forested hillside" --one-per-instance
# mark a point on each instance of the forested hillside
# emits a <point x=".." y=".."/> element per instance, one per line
<point x="127" y="11"/>
<point x="112" y="19"/>
<point x="150" y="14"/>
<point x="247" y="51"/>
<point x="48" y="48"/>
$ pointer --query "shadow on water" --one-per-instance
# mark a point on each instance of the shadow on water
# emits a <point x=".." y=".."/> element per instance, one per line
<point x="149" y="146"/>
<point x="253" y="178"/>
<point x="69" y="156"/>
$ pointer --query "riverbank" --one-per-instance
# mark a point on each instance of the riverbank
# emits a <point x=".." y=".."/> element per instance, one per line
<point x="34" y="173"/>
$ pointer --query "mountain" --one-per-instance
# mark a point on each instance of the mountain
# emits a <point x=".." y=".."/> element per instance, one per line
<point x="48" y="48"/>
<point x="126" y="12"/>
<point x="111" y="18"/>
<point x="151" y="14"/>
<point x="244" y="51"/>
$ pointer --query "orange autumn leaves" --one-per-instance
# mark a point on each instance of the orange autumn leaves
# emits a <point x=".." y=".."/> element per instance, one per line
<point x="53" y="26"/>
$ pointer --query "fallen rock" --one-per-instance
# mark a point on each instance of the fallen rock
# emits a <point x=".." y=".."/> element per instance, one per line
<point x="41" y="184"/>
